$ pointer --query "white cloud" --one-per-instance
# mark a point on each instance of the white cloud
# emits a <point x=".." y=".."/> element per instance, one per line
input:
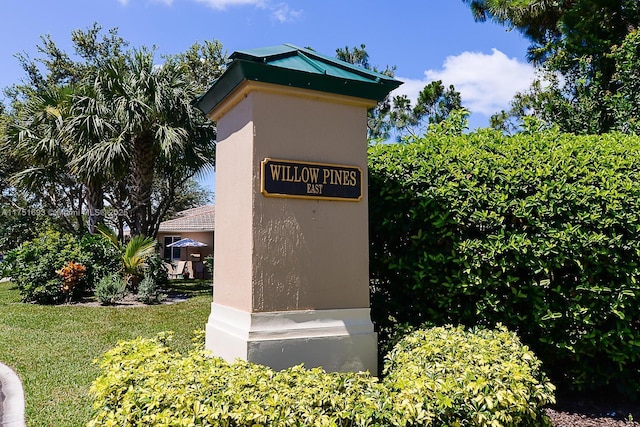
<point x="280" y="12"/>
<point x="487" y="83"/>
<point x="123" y="2"/>
<point x="223" y="4"/>
<point x="283" y="13"/>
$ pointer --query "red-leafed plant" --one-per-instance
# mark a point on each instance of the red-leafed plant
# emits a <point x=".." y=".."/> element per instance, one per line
<point x="71" y="274"/>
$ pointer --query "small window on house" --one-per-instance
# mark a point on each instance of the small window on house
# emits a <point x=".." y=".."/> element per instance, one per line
<point x="171" y="253"/>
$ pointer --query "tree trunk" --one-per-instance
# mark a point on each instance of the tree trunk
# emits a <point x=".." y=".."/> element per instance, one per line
<point x="142" y="169"/>
<point x="95" y="204"/>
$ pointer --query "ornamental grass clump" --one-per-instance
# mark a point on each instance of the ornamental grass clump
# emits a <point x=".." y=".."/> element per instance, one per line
<point x="111" y="289"/>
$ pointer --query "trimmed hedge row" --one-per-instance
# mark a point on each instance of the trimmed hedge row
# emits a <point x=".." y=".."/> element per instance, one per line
<point x="445" y="376"/>
<point x="539" y="232"/>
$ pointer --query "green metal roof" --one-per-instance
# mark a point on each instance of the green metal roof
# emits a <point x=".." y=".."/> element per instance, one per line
<point x="289" y="65"/>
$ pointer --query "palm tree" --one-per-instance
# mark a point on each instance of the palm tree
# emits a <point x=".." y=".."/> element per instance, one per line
<point x="154" y="123"/>
<point x="88" y="125"/>
<point x="134" y="255"/>
<point x="47" y="109"/>
<point x="36" y="139"/>
<point x="110" y="136"/>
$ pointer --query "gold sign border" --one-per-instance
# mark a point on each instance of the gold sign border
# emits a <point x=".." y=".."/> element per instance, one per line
<point x="264" y="191"/>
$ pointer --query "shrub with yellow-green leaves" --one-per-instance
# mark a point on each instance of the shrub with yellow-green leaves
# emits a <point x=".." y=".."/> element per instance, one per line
<point x="478" y="377"/>
<point x="146" y="383"/>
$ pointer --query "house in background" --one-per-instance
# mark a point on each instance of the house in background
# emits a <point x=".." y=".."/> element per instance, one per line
<point x="196" y="224"/>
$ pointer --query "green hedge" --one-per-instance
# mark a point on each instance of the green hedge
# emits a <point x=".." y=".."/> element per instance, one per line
<point x="481" y="378"/>
<point x="537" y="232"/>
<point x="32" y="266"/>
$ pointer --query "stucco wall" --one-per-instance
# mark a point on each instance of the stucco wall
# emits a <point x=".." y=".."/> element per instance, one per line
<point x="288" y="254"/>
<point x="234" y="181"/>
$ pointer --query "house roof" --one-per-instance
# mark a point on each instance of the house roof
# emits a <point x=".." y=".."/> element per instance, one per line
<point x="289" y="65"/>
<point x="196" y="219"/>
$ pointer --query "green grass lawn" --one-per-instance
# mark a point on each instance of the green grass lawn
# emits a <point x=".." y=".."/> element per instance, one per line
<point x="52" y="348"/>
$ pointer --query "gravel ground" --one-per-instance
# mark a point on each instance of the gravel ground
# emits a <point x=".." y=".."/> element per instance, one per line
<point x="584" y="413"/>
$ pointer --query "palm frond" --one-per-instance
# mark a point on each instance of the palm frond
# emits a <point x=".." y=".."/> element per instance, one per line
<point x="110" y="235"/>
<point x="136" y="253"/>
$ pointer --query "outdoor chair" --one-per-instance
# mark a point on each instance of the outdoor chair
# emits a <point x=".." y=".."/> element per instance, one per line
<point x="177" y="272"/>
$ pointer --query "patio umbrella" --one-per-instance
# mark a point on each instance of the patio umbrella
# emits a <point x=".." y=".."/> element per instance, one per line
<point x="187" y="243"/>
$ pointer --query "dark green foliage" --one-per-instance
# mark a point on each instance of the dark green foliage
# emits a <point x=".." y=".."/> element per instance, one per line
<point x="33" y="265"/>
<point x="15" y="229"/>
<point x="573" y="42"/>
<point x="156" y="271"/>
<point x="434" y="105"/>
<point x="99" y="257"/>
<point x="493" y="378"/>
<point x="208" y="262"/>
<point x="537" y="232"/>
<point x="155" y="279"/>
<point x="626" y="102"/>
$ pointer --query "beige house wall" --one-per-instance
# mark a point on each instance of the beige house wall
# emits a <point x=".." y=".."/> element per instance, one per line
<point x="201" y="236"/>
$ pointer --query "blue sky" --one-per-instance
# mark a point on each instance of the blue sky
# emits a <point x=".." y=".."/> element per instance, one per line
<point x="426" y="40"/>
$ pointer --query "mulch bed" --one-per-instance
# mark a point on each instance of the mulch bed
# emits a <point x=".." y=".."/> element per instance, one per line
<point x="131" y="301"/>
<point x="589" y="413"/>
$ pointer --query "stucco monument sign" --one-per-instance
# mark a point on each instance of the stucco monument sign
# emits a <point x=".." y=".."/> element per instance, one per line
<point x="291" y="274"/>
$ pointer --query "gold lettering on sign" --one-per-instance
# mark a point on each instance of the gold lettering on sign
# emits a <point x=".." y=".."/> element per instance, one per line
<point x="288" y="173"/>
<point x="314" y="188"/>
<point x="286" y="178"/>
<point x="340" y="177"/>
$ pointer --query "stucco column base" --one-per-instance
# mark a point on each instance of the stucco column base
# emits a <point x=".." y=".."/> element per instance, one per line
<point x="336" y="340"/>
